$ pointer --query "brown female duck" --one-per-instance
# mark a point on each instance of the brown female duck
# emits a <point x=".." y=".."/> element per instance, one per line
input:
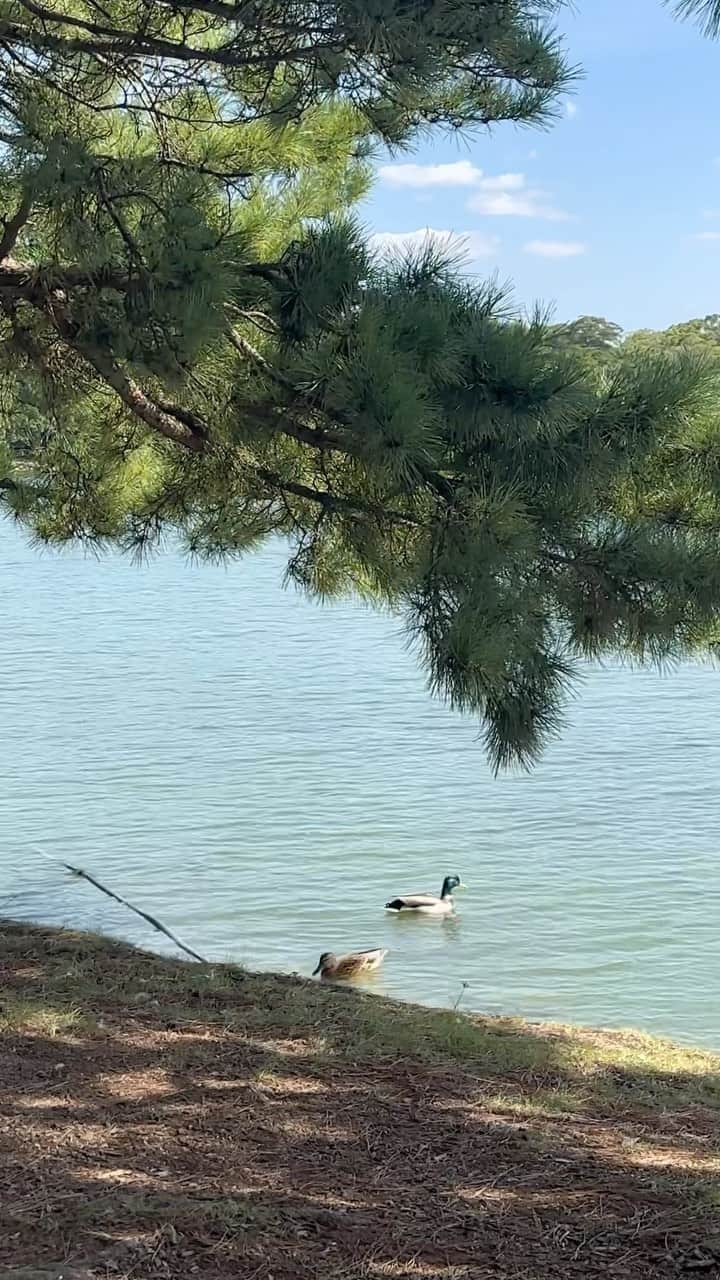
<point x="332" y="967"/>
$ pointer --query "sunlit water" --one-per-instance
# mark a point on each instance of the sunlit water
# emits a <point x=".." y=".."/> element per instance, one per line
<point x="263" y="774"/>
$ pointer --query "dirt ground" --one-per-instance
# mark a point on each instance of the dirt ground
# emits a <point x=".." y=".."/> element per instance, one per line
<point x="158" y="1120"/>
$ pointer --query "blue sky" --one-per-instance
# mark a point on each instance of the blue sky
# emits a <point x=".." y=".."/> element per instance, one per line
<point x="614" y="211"/>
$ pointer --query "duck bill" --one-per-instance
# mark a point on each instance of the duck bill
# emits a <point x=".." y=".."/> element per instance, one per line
<point x="315" y="971"/>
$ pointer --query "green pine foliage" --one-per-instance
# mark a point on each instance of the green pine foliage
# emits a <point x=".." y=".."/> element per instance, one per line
<point x="707" y="12"/>
<point x="198" y="341"/>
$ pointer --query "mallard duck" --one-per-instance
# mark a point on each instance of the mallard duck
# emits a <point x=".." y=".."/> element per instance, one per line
<point x="427" y="904"/>
<point x="351" y="965"/>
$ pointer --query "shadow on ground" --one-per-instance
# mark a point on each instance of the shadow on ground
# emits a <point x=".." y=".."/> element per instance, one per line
<point x="160" y="1119"/>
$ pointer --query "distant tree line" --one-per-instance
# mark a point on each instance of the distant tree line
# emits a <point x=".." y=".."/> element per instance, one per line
<point x="595" y="334"/>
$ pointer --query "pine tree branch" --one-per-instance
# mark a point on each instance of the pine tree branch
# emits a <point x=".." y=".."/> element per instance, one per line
<point x="245" y="348"/>
<point x="584" y="568"/>
<point x="177" y="423"/>
<point x="205" y="171"/>
<point x="13" y="226"/>
<point x="133" y="45"/>
<point x="186" y="428"/>
<point x="297" y="431"/>
<point x="191" y="420"/>
<point x="325" y="440"/>
<point x="232" y="13"/>
<point x="23" y="339"/>
<point x="707" y="11"/>
<point x="182" y="428"/>
<point x="216" y="8"/>
<point x="165" y="420"/>
<point x="107" y="200"/>
<point x="357" y="507"/>
<point x="25" y="279"/>
<point x="69" y="20"/>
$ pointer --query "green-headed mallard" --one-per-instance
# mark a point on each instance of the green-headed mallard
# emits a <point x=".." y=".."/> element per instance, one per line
<point x="351" y="965"/>
<point x="427" y="904"/>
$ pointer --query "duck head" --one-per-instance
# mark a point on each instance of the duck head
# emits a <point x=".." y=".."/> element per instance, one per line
<point x="327" y="958"/>
<point x="450" y="883"/>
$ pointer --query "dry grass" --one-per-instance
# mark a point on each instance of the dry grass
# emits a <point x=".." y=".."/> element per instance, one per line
<point x="165" y="1119"/>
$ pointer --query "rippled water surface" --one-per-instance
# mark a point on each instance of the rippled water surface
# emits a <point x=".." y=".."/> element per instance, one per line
<point x="264" y="773"/>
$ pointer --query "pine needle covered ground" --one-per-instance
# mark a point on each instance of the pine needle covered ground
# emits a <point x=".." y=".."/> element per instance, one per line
<point x="162" y="1119"/>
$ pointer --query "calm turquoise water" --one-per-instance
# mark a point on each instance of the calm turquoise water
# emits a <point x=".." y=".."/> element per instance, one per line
<point x="264" y="773"/>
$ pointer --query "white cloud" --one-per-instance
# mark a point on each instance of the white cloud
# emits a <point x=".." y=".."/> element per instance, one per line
<point x="495" y="195"/>
<point x="507" y="196"/>
<point x="516" y="204"/>
<point x="504" y="182"/>
<point x="461" y="173"/>
<point x="555" y="248"/>
<point x="465" y="244"/>
<point x="570" y="109"/>
<point x="707" y="235"/>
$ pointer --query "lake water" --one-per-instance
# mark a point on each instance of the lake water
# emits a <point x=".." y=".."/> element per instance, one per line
<point x="264" y="773"/>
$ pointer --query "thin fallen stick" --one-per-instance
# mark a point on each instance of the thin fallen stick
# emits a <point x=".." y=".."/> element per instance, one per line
<point x="85" y="875"/>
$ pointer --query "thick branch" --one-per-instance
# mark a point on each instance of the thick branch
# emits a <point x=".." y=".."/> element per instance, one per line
<point x="168" y="424"/>
<point x="26" y="280"/>
<point x="169" y="420"/>
<point x="14" y="225"/>
<point x="186" y="430"/>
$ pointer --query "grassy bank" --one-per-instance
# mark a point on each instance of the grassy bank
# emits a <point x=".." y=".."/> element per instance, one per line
<point x="163" y="1119"/>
